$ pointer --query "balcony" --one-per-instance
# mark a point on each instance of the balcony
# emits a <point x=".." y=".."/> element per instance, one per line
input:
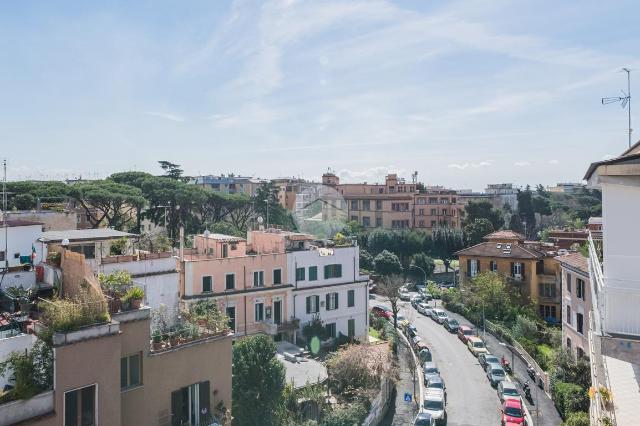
<point x="292" y="325"/>
<point x="24" y="409"/>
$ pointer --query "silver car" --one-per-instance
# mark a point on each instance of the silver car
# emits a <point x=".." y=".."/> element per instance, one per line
<point x="424" y="419"/>
<point x="430" y="370"/>
<point x="508" y="390"/>
<point x="495" y="374"/>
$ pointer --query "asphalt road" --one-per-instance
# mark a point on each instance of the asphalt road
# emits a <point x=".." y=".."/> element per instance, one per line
<point x="470" y="398"/>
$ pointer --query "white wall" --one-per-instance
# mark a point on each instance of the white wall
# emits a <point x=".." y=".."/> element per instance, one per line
<point x="24" y="279"/>
<point x="20" y="240"/>
<point x="14" y="344"/>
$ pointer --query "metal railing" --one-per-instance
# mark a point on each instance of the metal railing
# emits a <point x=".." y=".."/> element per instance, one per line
<point x="597" y="287"/>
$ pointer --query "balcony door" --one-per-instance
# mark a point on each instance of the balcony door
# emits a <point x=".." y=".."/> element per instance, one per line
<point x="277" y="311"/>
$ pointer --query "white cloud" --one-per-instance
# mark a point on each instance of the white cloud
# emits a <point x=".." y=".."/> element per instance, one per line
<point x="554" y="162"/>
<point x="458" y="166"/>
<point x="521" y="164"/>
<point x="462" y="166"/>
<point x="166" y="116"/>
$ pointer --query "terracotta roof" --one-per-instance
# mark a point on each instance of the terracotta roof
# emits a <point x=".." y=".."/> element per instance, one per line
<point x="491" y="249"/>
<point x="12" y="223"/>
<point x="507" y="234"/>
<point x="574" y="261"/>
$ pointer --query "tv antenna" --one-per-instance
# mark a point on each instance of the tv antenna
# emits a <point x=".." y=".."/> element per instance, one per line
<point x="624" y="100"/>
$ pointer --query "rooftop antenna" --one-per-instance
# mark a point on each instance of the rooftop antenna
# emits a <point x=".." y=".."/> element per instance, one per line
<point x="624" y="100"/>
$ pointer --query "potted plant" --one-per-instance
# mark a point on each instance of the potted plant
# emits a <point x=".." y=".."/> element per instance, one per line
<point x="134" y="297"/>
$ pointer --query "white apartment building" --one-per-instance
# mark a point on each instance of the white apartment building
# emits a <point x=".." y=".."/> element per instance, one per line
<point x="614" y="335"/>
<point x="327" y="283"/>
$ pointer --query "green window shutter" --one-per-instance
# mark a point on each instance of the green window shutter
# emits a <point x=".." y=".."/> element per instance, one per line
<point x="337" y="305"/>
<point x="317" y="303"/>
<point x="313" y="273"/>
<point x="176" y="408"/>
<point x="478" y="266"/>
<point x="327" y="269"/>
<point x="123" y="373"/>
<point x="339" y="270"/>
<point x="351" y="298"/>
<point x="522" y="270"/>
<point x="468" y="267"/>
<point x="308" y="304"/>
<point x="204" y="401"/>
<point x="513" y="269"/>
<point x="327" y="301"/>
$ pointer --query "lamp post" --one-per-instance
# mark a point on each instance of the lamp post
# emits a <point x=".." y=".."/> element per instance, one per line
<point x="423" y="271"/>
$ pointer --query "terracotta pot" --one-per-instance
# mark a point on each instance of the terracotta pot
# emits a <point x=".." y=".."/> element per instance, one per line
<point x="135" y="303"/>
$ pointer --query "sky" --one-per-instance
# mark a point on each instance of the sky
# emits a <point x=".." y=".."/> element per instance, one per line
<point x="465" y="93"/>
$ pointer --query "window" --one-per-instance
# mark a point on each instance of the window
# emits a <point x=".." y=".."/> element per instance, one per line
<point x="313" y="304"/>
<point x="130" y="371"/>
<point x="473" y="267"/>
<point x="568" y="343"/>
<point x="258" y="278"/>
<point x="299" y="274"/>
<point x="580" y="288"/>
<point x="206" y="284"/>
<point x="230" y="281"/>
<point x="569" y="283"/>
<point x="2" y="258"/>
<point x="546" y="290"/>
<point x="568" y="314"/>
<point x="433" y="223"/>
<point x="332" y="301"/>
<point x="421" y="201"/>
<point x="517" y="270"/>
<point x="421" y="224"/>
<point x="493" y="266"/>
<point x="366" y="205"/>
<point x="80" y="407"/>
<point x="190" y="405"/>
<point x="366" y="221"/>
<point x="351" y="328"/>
<point x="378" y="204"/>
<point x="89" y="250"/>
<point x="313" y="273"/>
<point x="231" y="313"/>
<point x="580" y="323"/>
<point x="547" y="311"/>
<point x="579" y="353"/>
<point x="332" y="271"/>
<point x="351" y="298"/>
<point x="259" y="311"/>
<point x="354" y="218"/>
<point x="354" y="204"/>
<point x="277" y="276"/>
<point x="16" y="255"/>
<point x="434" y="212"/>
<point x="444" y="212"/>
<point x="331" y="329"/>
<point x="225" y="250"/>
<point x="433" y="200"/>
<point x="378" y="221"/>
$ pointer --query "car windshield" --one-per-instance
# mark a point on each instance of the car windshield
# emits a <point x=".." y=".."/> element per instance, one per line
<point x="442" y="314"/>
<point x="433" y="405"/>
<point x="468" y="332"/>
<point x="497" y="372"/>
<point x="510" y="392"/>
<point x="431" y="370"/>
<point x="435" y="385"/>
<point x="422" y="422"/>
<point x="491" y="359"/>
<point x="513" y="412"/>
<point x="453" y="322"/>
<point x="478" y="344"/>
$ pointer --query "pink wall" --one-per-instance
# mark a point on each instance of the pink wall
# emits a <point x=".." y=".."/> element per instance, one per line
<point x="264" y="242"/>
<point x="235" y="248"/>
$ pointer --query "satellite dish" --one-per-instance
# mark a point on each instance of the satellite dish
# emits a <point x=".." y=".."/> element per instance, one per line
<point x="260" y="219"/>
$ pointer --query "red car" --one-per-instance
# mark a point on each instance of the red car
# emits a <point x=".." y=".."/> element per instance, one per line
<point x="382" y="311"/>
<point x="513" y="413"/>
<point x="464" y="332"/>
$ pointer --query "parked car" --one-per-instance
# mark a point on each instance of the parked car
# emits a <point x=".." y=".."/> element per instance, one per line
<point x="439" y="315"/>
<point x="495" y="374"/>
<point x="423" y="308"/>
<point x="405" y="296"/>
<point x="415" y="300"/>
<point x="429" y="369"/>
<point x="487" y="358"/>
<point x="464" y="332"/>
<point x="436" y="382"/>
<point x="434" y="404"/>
<point x="508" y="390"/>
<point x="423" y="352"/>
<point x="424" y="419"/>
<point x="382" y="311"/>
<point x="415" y="340"/>
<point x="476" y="346"/>
<point x="513" y="413"/>
<point x="427" y="296"/>
<point x="452" y="325"/>
<point x="411" y="330"/>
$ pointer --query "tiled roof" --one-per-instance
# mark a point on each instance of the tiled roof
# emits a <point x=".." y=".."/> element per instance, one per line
<point x="507" y="234"/>
<point x="491" y="249"/>
<point x="575" y="261"/>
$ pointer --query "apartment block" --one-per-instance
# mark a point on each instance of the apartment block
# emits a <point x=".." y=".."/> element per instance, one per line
<point x="228" y="184"/>
<point x="576" y="302"/>
<point x="532" y="271"/>
<point x="395" y="204"/>
<point x="614" y="255"/>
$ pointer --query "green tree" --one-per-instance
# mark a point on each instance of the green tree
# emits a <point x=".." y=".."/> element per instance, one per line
<point x="424" y="262"/>
<point x="267" y="205"/>
<point x="445" y="242"/>
<point x="114" y="202"/>
<point x="171" y="170"/>
<point x="389" y="289"/>
<point x="482" y="210"/>
<point x="24" y="201"/>
<point x="387" y="263"/>
<point x="379" y="240"/>
<point x="526" y="212"/>
<point x="477" y="230"/>
<point x="579" y="418"/>
<point x="366" y="260"/>
<point x="258" y="381"/>
<point x="490" y="291"/>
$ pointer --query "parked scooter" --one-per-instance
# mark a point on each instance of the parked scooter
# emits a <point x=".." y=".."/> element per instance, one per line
<point x="527" y="391"/>
<point x="505" y="365"/>
<point x="531" y="371"/>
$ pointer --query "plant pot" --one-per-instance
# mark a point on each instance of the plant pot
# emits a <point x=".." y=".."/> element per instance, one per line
<point x="157" y="345"/>
<point x="115" y="305"/>
<point x="135" y="303"/>
<point x="125" y="305"/>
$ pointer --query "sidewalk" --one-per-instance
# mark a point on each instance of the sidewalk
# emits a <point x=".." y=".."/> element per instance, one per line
<point x="402" y="412"/>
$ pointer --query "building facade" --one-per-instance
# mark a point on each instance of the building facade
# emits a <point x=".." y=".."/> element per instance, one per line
<point x="576" y="302"/>
<point x="228" y="184"/>
<point x="531" y="271"/>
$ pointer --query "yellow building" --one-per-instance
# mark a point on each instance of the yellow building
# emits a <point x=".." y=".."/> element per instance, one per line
<point x="532" y="271"/>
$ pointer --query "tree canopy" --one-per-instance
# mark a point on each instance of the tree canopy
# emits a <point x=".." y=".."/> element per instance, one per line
<point x="477" y="230"/>
<point x="387" y="263"/>
<point x="482" y="210"/>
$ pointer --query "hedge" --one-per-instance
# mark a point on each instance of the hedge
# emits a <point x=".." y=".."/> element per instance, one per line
<point x="577" y="419"/>
<point x="569" y="398"/>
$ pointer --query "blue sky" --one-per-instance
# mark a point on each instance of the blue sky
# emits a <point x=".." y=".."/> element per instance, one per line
<point x="466" y="93"/>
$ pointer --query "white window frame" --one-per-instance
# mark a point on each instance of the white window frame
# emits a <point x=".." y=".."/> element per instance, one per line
<point x="517" y="270"/>
<point x="259" y="272"/>
<point x="332" y="301"/>
<point x="474" y="267"/>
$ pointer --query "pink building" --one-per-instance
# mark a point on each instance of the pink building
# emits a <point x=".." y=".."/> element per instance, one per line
<point x="249" y="282"/>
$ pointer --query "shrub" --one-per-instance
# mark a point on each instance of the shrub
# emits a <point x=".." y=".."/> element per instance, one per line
<point x="525" y="328"/>
<point x="353" y="414"/>
<point x="569" y="398"/>
<point x="64" y="315"/>
<point x="577" y="419"/>
<point x="116" y="283"/>
<point x="209" y="312"/>
<point x="134" y="293"/>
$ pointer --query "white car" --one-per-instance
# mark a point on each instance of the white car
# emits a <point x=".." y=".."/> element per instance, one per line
<point x="434" y="404"/>
<point x="424" y="309"/>
<point x="439" y="315"/>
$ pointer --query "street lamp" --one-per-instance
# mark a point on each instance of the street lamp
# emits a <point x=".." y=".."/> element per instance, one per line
<point x="423" y="271"/>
